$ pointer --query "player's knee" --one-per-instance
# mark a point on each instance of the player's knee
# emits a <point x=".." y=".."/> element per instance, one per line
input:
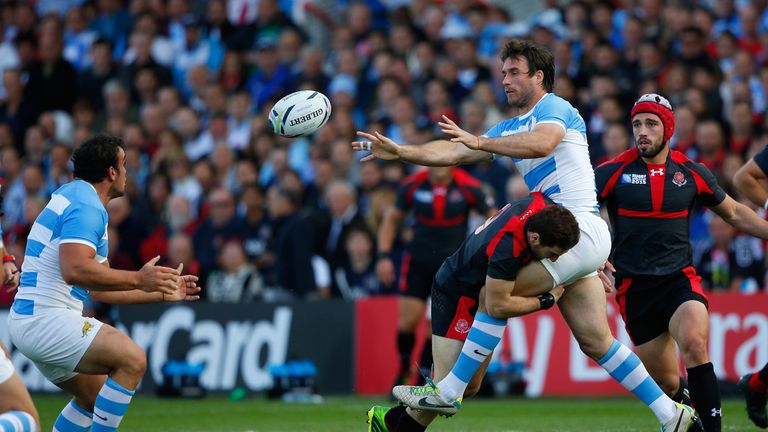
<point x="135" y="361"/>
<point x="693" y="350"/>
<point x="594" y="346"/>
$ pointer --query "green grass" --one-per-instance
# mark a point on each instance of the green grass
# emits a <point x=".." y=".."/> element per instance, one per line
<point x="337" y="414"/>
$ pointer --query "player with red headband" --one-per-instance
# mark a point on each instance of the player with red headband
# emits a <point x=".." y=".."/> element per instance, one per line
<point x="649" y="192"/>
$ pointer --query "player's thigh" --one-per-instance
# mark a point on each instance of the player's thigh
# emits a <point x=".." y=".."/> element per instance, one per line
<point x="111" y="349"/>
<point x="660" y="359"/>
<point x="589" y="254"/>
<point x="689" y="326"/>
<point x="583" y="308"/>
<point x="533" y="279"/>
<point x="54" y="339"/>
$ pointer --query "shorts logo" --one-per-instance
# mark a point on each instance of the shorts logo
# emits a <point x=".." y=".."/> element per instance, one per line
<point x="462" y="326"/>
<point x="639" y="179"/>
<point x="86" y="328"/>
<point x="679" y="179"/>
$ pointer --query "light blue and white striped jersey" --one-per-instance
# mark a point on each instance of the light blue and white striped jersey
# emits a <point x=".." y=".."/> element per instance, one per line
<point x="565" y="176"/>
<point x="73" y="215"/>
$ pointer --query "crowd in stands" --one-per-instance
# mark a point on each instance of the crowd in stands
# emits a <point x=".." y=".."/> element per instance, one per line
<point x="187" y="85"/>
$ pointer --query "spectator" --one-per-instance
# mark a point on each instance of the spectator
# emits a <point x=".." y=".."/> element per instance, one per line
<point x="356" y="278"/>
<point x="221" y="225"/>
<point x="731" y="263"/>
<point x="236" y="280"/>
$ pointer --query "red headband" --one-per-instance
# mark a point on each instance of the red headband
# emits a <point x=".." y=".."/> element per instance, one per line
<point x="655" y="104"/>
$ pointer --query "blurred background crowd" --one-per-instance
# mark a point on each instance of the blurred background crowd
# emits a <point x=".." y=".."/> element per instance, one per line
<point x="187" y="85"/>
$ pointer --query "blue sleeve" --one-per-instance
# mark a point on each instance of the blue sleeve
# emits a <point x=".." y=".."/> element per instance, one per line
<point x="494" y="131"/>
<point x="84" y="224"/>
<point x="554" y="109"/>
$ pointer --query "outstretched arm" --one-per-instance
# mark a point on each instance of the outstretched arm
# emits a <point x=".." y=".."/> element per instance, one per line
<point x="747" y="181"/>
<point x="433" y="153"/>
<point x="539" y="142"/>
<point x="186" y="290"/>
<point x="742" y="217"/>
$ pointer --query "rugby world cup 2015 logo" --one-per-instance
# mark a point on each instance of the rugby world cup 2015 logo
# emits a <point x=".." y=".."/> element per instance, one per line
<point x="679" y="179"/>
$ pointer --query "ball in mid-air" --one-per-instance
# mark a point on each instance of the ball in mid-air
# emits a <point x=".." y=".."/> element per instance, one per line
<point x="300" y="113"/>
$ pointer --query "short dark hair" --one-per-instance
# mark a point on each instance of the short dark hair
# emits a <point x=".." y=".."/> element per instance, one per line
<point x="556" y="226"/>
<point x="94" y="157"/>
<point x="539" y="59"/>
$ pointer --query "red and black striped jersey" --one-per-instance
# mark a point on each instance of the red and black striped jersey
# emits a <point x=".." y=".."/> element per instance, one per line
<point x="441" y="212"/>
<point x="649" y="206"/>
<point x="497" y="249"/>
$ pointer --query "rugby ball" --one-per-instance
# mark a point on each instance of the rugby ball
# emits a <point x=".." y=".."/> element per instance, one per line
<point x="299" y="114"/>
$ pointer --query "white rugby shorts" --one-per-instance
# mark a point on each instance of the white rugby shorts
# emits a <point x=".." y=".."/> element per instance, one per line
<point x="6" y="367"/>
<point x="55" y="339"/>
<point x="589" y="254"/>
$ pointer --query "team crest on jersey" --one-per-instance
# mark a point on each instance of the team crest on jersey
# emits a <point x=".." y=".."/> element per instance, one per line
<point x="455" y="196"/>
<point x="640" y="179"/>
<point x="86" y="328"/>
<point x="679" y="179"/>
<point x="462" y="326"/>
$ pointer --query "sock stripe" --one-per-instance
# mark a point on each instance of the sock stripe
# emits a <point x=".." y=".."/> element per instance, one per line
<point x="114" y="395"/>
<point x="26" y="420"/>
<point x="472" y="350"/>
<point x="618" y="357"/>
<point x="115" y="386"/>
<point x="635" y="378"/>
<point x="626" y="367"/>
<point x="64" y="424"/>
<point x="483" y="339"/>
<point x="111" y="407"/>
<point x="6" y="425"/>
<point x="611" y="351"/>
<point x="465" y="367"/>
<point x="487" y="319"/>
<point x="87" y="416"/>
<point x="648" y="391"/>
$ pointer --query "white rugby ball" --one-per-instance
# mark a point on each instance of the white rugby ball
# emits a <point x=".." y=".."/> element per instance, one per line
<point x="300" y="113"/>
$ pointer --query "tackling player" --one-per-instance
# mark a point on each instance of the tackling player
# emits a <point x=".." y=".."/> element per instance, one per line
<point x="65" y="262"/>
<point x="440" y="199"/>
<point x="525" y="230"/>
<point x="547" y="141"/>
<point x="755" y="385"/>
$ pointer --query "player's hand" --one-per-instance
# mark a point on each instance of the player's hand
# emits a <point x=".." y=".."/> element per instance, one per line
<point x="605" y="273"/>
<point x="11" y="275"/>
<point x="557" y="292"/>
<point x="449" y="127"/>
<point x="385" y="271"/>
<point x="379" y="145"/>
<point x="186" y="290"/>
<point x="161" y="279"/>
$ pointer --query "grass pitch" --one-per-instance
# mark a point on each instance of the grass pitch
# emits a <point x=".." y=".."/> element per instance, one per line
<point x="337" y="414"/>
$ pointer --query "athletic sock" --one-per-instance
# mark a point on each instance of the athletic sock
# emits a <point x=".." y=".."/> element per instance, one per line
<point x="405" y="343"/>
<point x="111" y="405"/>
<point x="484" y="335"/>
<point x="408" y="424"/>
<point x="17" y="421"/>
<point x="73" y="418"/>
<point x="705" y="396"/>
<point x="625" y="367"/>
<point x="392" y="417"/>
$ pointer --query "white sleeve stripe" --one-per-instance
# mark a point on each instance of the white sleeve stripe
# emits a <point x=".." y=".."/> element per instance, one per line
<point x="79" y="241"/>
<point x="557" y="122"/>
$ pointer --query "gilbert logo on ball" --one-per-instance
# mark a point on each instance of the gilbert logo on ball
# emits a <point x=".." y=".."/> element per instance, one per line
<point x="299" y="114"/>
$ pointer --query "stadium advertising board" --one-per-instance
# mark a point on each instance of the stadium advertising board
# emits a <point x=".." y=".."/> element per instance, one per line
<point x="554" y="363"/>
<point x="237" y="343"/>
